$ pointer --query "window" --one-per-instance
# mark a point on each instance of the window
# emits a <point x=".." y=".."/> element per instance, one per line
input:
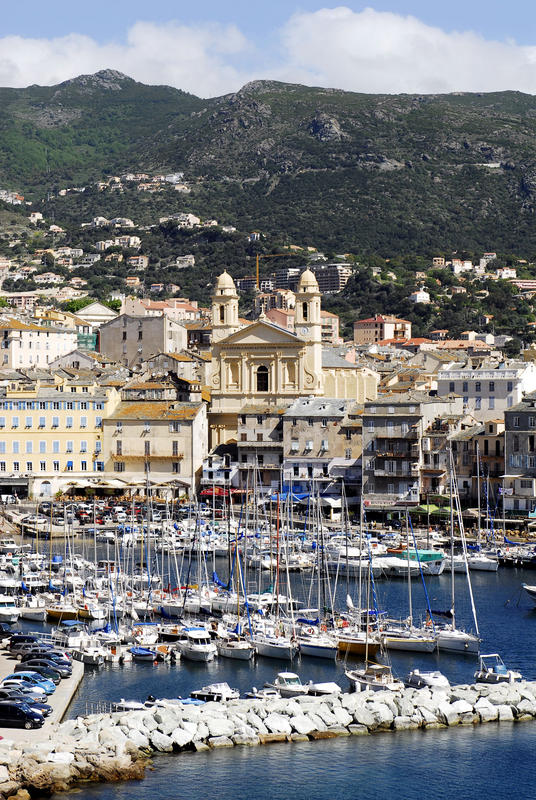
<point x="43" y="466"/>
<point x="70" y="405"/>
<point x="260" y="420"/>
<point x="83" y="422"/>
<point x="176" y="467"/>
<point x="99" y="466"/>
<point x="465" y="400"/>
<point x="119" y="447"/>
<point x="478" y="403"/>
<point x="510" y="386"/>
<point x="119" y="466"/>
<point x="69" y="447"/>
<point x="262" y="379"/>
<point x="532" y="422"/>
<point x="29" y="448"/>
<point x="242" y="420"/>
<point x="465" y="386"/>
<point x="16" y="466"/>
<point x="83" y="447"/>
<point x="2" y="447"/>
<point x="42" y="422"/>
<point x="55" y="422"/>
<point x="451" y="386"/>
<point x="15" y="422"/>
<point x="85" y="389"/>
<point x="2" y="466"/>
<point x="43" y="447"/>
<point x="124" y="336"/>
<point x="56" y="405"/>
<point x="525" y="484"/>
<point x="390" y="488"/>
<point x="29" y="466"/>
<point x="348" y="434"/>
<point x="140" y="336"/>
<point x="305" y="312"/>
<point x="294" y="422"/>
<point x="175" y="426"/>
<point x="147" y="448"/>
<point x="324" y="423"/>
<point x="98" y="422"/>
<point x="478" y="386"/>
<point x="260" y="460"/>
<point x="15" y="447"/>
<point x="42" y="405"/>
<point x="28" y="423"/>
<point x="243" y="437"/>
<point x="491" y="403"/>
<point x="390" y="409"/>
<point x="370" y="425"/>
<point x="2" y="422"/>
<point x="83" y="405"/>
<point x="118" y="427"/>
<point x="348" y="453"/>
<point x="491" y="386"/>
<point x="98" y="446"/>
<point x="515" y="443"/>
<point x="259" y="437"/>
<point x="83" y="466"/>
<point x="147" y="427"/>
<point x="516" y="422"/>
<point x="175" y="448"/>
<point x="296" y="471"/>
<point x="56" y="466"/>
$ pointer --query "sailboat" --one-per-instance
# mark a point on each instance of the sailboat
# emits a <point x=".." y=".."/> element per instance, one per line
<point x="234" y="646"/>
<point x="449" y="637"/>
<point x="372" y="676"/>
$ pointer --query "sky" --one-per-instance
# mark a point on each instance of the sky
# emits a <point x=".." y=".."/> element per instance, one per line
<point x="212" y="47"/>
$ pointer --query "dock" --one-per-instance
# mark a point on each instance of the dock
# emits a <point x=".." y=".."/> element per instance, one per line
<point x="59" y="701"/>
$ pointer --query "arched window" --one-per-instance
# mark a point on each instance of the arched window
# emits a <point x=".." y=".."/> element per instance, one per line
<point x="222" y="313"/>
<point x="305" y="311"/>
<point x="262" y="379"/>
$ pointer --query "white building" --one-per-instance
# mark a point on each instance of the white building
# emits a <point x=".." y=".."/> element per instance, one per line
<point x="488" y="392"/>
<point x="25" y="345"/>
<point x="420" y="296"/>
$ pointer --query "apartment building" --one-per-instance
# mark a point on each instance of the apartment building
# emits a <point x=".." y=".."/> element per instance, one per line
<point x="163" y="442"/>
<point x="260" y="445"/>
<point x="331" y="278"/>
<point x="51" y="434"/>
<point x="519" y="481"/>
<point x="26" y="345"/>
<point x="129" y="340"/>
<point x="478" y="453"/>
<point x="488" y="391"/>
<point x="381" y="327"/>
<point x="393" y="430"/>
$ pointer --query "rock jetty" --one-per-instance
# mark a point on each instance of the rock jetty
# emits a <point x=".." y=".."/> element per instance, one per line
<point x="108" y="747"/>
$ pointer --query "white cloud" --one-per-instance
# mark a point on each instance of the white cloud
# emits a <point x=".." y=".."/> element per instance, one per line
<point x="373" y="51"/>
<point x="368" y="51"/>
<point x="197" y="59"/>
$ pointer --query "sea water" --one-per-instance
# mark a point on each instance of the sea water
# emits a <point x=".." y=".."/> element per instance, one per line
<point x="488" y="761"/>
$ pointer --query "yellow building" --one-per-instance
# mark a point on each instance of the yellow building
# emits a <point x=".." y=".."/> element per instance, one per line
<point x="51" y="434"/>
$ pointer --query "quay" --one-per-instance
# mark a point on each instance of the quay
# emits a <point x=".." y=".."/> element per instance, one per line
<point x="59" y="701"/>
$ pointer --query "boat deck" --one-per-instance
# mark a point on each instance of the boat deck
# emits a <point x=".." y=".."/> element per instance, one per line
<point x="59" y="701"/>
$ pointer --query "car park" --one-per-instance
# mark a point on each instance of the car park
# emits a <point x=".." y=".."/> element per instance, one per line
<point x="19" y="649"/>
<point x="20" y="715"/>
<point x="52" y="656"/>
<point x="32" y="692"/>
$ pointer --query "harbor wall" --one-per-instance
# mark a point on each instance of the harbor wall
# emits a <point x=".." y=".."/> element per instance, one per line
<point x="110" y="747"/>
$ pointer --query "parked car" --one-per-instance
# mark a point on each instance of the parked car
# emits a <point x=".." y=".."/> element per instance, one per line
<point x="31" y="678"/>
<point x="55" y="657"/>
<point x="31" y="692"/>
<point x="45" y="672"/>
<point x="63" y="670"/>
<point x="25" y="647"/>
<point x="20" y="715"/>
<point x="35" y="519"/>
<point x="18" y="696"/>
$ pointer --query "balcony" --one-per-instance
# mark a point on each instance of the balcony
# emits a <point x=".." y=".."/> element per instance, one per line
<point x="399" y="473"/>
<point x="142" y="457"/>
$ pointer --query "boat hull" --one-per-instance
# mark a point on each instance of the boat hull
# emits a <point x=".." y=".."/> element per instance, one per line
<point x="458" y="642"/>
<point x="228" y="650"/>
<point x="358" y="647"/>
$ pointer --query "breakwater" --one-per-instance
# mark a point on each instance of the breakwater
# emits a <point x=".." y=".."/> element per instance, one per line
<point x="109" y="747"/>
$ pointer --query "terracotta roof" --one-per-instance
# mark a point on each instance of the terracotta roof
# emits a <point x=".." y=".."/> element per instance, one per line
<point x="381" y="318"/>
<point x="156" y="410"/>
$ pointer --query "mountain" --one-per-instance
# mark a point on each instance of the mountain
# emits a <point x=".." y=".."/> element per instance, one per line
<point x="345" y="171"/>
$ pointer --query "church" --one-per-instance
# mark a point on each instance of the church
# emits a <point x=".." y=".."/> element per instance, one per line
<point x="261" y="363"/>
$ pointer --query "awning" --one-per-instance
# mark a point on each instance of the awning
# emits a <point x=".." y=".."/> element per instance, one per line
<point x="333" y="502"/>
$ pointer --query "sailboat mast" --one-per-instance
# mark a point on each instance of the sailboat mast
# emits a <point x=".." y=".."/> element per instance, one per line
<point x="478" y="491"/>
<point x="451" y="492"/>
<point x="410" y="601"/>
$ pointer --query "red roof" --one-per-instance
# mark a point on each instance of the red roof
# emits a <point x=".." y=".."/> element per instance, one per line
<point x="381" y="318"/>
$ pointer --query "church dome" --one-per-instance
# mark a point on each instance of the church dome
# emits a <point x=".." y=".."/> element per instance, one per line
<point x="225" y="281"/>
<point x="308" y="282"/>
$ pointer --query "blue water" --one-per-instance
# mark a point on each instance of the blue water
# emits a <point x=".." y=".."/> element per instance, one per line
<point x="493" y="761"/>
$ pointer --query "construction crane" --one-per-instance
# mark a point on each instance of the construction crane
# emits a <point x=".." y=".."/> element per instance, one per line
<point x="275" y="255"/>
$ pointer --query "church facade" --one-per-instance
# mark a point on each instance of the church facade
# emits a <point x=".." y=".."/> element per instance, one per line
<point x="261" y="363"/>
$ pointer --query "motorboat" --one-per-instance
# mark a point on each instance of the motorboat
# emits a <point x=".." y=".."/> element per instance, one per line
<point x="482" y="562"/>
<point x="34" y="609"/>
<point x="263" y="694"/>
<point x="426" y="680"/>
<point x="90" y="656"/>
<point x="216" y="692"/>
<point x="143" y="654"/>
<point x="531" y="591"/>
<point x="288" y="684"/>
<point x="492" y="669"/>
<point x="197" y="645"/>
<point x="9" y="612"/>
<point x="320" y="689"/>
<point x="375" y="677"/>
<point x="240" y="649"/>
